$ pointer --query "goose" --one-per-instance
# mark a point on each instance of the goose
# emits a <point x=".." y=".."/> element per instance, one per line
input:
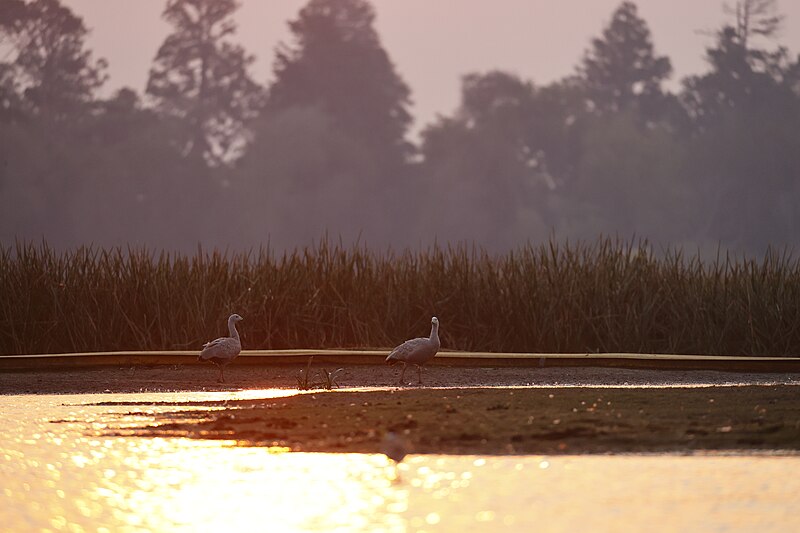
<point x="223" y="350"/>
<point x="394" y="447"/>
<point x="416" y="351"/>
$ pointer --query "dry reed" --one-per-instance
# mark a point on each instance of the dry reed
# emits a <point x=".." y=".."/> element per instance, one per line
<point x="606" y="296"/>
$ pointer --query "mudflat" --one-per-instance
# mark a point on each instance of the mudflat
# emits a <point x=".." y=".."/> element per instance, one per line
<point x="460" y="410"/>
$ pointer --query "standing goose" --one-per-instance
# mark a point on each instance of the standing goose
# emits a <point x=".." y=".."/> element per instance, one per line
<point x="416" y="351"/>
<point x="223" y="350"/>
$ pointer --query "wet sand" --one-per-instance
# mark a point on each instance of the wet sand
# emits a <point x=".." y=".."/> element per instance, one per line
<point x="459" y="410"/>
<point x="537" y="420"/>
<point x="203" y="378"/>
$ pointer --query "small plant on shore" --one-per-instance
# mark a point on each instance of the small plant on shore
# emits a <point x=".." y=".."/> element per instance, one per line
<point x="304" y="379"/>
<point x="328" y="381"/>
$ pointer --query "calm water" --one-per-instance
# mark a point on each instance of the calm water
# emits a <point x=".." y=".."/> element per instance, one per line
<point x="58" y="476"/>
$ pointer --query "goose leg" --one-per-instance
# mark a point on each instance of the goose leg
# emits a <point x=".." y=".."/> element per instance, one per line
<point x="419" y="373"/>
<point x="221" y="374"/>
<point x="403" y="373"/>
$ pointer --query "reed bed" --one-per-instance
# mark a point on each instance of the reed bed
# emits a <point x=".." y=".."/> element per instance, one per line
<point x="604" y="296"/>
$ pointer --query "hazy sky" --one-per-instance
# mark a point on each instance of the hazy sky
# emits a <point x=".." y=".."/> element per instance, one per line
<point x="433" y="42"/>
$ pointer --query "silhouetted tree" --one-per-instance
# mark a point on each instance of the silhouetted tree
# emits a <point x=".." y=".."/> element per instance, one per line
<point x="337" y="64"/>
<point x="112" y="178"/>
<point x="12" y="14"/>
<point x="50" y="72"/>
<point x="629" y="180"/>
<point x="132" y="165"/>
<point x="621" y="69"/>
<point x="621" y="163"/>
<point x="47" y="88"/>
<point x="740" y="77"/>
<point x="753" y="18"/>
<point x="11" y="102"/>
<point x="486" y="176"/>
<point x="201" y="77"/>
<point x="554" y="131"/>
<point x="746" y="150"/>
<point x="535" y="123"/>
<point x="329" y="151"/>
<point x="302" y="177"/>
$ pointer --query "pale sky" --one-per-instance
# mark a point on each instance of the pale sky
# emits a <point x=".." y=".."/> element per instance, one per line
<point x="433" y="42"/>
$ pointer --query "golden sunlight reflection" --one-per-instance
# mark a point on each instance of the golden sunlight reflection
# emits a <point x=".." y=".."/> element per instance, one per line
<point x="251" y="394"/>
<point x="214" y="487"/>
<point x="59" y="476"/>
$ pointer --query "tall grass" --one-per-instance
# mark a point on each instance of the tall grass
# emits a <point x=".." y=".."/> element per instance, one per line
<point x="597" y="297"/>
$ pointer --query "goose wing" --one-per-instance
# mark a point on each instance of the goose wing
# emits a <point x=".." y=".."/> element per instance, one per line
<point x="411" y="351"/>
<point x="222" y="348"/>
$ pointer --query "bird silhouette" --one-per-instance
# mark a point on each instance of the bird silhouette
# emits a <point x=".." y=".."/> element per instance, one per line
<point x="223" y="351"/>
<point x="416" y="351"/>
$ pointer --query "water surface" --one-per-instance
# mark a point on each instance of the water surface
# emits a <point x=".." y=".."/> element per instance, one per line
<point x="57" y="474"/>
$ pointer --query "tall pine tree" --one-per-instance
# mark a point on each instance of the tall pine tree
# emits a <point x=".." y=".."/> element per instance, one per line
<point x="621" y="69"/>
<point x="337" y="64"/>
<point x="745" y="111"/>
<point x="51" y="74"/>
<point x="201" y="77"/>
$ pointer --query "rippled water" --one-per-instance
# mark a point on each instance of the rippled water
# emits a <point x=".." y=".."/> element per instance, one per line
<point x="58" y="476"/>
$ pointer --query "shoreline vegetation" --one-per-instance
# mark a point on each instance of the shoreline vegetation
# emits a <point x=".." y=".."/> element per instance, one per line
<point x="608" y="295"/>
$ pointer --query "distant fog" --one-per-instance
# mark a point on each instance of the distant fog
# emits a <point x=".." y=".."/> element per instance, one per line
<point x="208" y="156"/>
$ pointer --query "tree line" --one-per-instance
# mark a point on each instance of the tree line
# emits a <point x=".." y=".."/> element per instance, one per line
<point x="209" y="155"/>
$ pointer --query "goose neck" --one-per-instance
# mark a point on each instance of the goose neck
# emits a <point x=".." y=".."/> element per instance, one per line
<point x="232" y="328"/>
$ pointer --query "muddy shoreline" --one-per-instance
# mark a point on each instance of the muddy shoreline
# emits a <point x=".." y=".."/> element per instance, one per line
<point x="565" y="420"/>
<point x="457" y="410"/>
<point x="167" y="378"/>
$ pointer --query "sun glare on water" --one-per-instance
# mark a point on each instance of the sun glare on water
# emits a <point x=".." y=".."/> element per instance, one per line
<point x="57" y="474"/>
<point x="214" y="486"/>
